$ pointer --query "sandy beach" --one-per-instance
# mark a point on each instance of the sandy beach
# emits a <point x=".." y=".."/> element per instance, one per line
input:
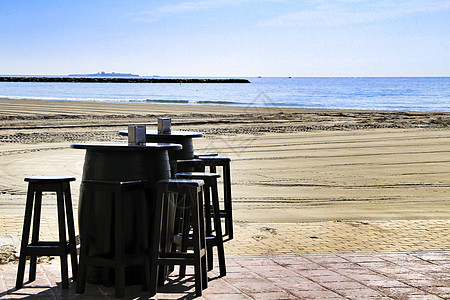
<point x="288" y="165"/>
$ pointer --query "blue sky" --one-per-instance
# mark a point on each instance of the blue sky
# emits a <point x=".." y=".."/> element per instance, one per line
<point x="231" y="38"/>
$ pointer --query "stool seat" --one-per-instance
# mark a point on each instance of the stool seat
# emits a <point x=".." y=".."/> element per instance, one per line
<point x="219" y="160"/>
<point x="197" y="175"/>
<point x="61" y="248"/>
<point x="198" y="155"/>
<point x="177" y="185"/>
<point x="49" y="179"/>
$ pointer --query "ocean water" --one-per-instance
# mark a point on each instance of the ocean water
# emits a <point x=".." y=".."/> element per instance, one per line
<point x="368" y="93"/>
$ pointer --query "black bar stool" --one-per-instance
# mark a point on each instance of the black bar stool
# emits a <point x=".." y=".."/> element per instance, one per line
<point x="213" y="237"/>
<point x="227" y="212"/>
<point x="118" y="259"/>
<point x="212" y="162"/>
<point x="190" y="200"/>
<point x="61" y="248"/>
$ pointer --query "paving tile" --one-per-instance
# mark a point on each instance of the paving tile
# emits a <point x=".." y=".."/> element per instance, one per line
<point x="402" y="293"/>
<point x="356" y="272"/>
<point x="427" y="282"/>
<point x="434" y="256"/>
<point x="396" y="257"/>
<point x="222" y="297"/>
<point x="219" y="286"/>
<point x="344" y="285"/>
<point x="339" y="266"/>
<point x="297" y="284"/>
<point x="330" y="278"/>
<point x="256" y="261"/>
<point x="441" y="290"/>
<point x="304" y="266"/>
<point x="360" y="258"/>
<point x="384" y="283"/>
<point x="272" y="296"/>
<point x="422" y="297"/>
<point x="241" y="272"/>
<point x="365" y="293"/>
<point x="254" y="285"/>
<point x="329" y="295"/>
<point x="326" y="259"/>
<point x="366" y="277"/>
<point x="408" y="276"/>
<point x="273" y="271"/>
<point x="291" y="260"/>
<point x="314" y="273"/>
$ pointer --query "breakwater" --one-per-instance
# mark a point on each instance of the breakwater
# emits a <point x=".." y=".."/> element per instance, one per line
<point x="120" y="80"/>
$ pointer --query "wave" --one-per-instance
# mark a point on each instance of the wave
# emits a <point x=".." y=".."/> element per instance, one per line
<point x="155" y="101"/>
<point x="185" y="101"/>
<point x="64" y="99"/>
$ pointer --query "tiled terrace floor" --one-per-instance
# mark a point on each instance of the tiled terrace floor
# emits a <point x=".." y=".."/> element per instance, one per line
<point x="325" y="276"/>
<point x="326" y="260"/>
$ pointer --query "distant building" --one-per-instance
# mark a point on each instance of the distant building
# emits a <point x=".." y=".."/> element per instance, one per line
<point x="103" y="74"/>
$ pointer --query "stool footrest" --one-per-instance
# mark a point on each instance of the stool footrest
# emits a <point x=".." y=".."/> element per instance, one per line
<point x="43" y="248"/>
<point x="182" y="258"/>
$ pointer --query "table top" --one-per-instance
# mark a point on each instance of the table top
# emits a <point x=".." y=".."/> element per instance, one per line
<point x="180" y="133"/>
<point x="127" y="147"/>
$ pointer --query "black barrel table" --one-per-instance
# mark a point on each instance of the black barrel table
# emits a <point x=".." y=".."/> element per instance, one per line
<point x="179" y="137"/>
<point x="121" y="162"/>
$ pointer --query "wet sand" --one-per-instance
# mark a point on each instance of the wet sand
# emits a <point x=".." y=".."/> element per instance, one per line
<point x="288" y="165"/>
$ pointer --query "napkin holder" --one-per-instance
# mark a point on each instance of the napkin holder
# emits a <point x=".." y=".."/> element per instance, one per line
<point x="164" y="126"/>
<point x="136" y="134"/>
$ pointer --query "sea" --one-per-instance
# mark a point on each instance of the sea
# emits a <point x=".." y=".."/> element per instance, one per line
<point x="357" y="93"/>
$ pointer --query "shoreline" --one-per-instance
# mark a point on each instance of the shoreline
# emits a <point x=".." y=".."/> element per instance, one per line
<point x="92" y="79"/>
<point x="288" y="165"/>
<point x="212" y="108"/>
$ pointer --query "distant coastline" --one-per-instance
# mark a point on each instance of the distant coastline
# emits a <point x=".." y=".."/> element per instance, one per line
<point x="103" y="74"/>
<point x="119" y="80"/>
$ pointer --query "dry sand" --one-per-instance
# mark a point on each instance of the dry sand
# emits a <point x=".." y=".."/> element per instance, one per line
<point x="288" y="165"/>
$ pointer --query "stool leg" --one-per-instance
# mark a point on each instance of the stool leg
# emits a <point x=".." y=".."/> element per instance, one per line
<point x="209" y="234"/>
<point x="227" y="201"/>
<point x="62" y="237"/>
<point x="202" y="231"/>
<point x="142" y="217"/>
<point x="25" y="236"/>
<point x="213" y="169"/>
<point x="119" y="245"/>
<point x="35" y="234"/>
<point x="71" y="230"/>
<point x="84" y="241"/>
<point x="156" y="237"/>
<point x="218" y="228"/>
<point x="187" y="206"/>
<point x="193" y="201"/>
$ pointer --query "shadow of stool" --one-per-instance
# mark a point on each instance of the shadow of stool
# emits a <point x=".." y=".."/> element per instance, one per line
<point x="118" y="259"/>
<point x="190" y="202"/>
<point x="61" y="248"/>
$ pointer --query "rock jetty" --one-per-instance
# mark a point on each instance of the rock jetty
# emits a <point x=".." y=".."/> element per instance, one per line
<point x="119" y="80"/>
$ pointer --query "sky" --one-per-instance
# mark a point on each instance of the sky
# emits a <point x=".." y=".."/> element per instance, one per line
<point x="226" y="38"/>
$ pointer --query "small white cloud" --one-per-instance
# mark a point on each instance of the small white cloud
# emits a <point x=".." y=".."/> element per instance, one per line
<point x="343" y="12"/>
<point x="190" y="6"/>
